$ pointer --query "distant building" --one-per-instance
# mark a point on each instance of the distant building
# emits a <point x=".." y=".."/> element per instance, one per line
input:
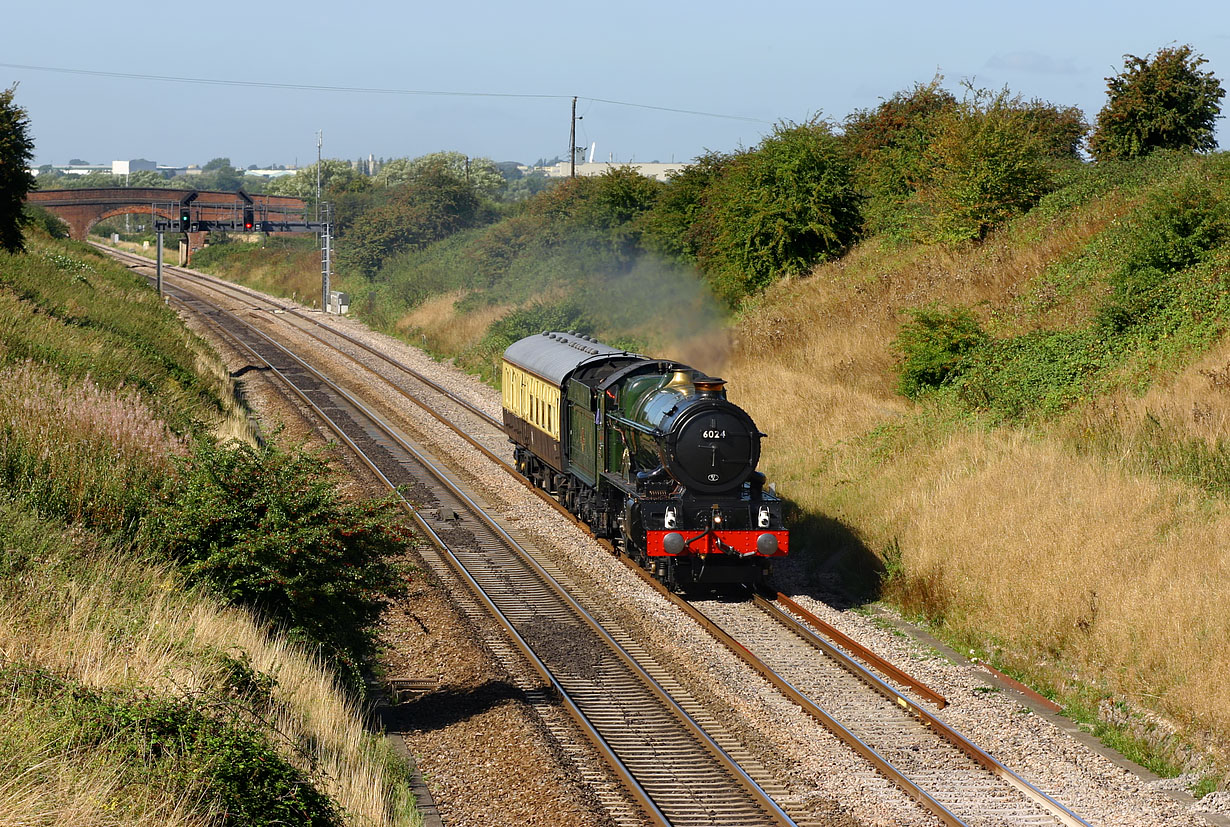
<point x="135" y="165"/>
<point x="654" y="170"/>
<point x="269" y="173"/>
<point x="82" y="169"/>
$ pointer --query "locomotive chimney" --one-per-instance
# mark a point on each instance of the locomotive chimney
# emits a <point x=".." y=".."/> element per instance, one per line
<point x="709" y="385"/>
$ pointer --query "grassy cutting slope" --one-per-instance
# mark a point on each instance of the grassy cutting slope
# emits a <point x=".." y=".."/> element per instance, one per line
<point x="129" y="698"/>
<point x="1060" y="504"/>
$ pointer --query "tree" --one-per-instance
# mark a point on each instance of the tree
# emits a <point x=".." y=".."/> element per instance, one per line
<point x="146" y="178"/>
<point x="16" y="151"/>
<point x="666" y="229"/>
<point x="434" y="204"/>
<point x="777" y="210"/>
<point x="989" y="160"/>
<point x="887" y="145"/>
<point x="336" y="175"/>
<point x="1163" y="102"/>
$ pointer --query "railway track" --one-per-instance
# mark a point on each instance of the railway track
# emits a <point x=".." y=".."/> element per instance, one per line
<point x="943" y="771"/>
<point x="675" y="771"/>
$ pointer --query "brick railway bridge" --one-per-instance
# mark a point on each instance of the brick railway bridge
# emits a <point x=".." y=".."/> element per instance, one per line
<point x="81" y="209"/>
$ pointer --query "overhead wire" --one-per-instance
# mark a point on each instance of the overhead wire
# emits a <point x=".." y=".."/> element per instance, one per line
<point x="367" y="90"/>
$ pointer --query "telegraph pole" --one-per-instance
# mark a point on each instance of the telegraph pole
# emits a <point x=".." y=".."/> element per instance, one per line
<point x="572" y="141"/>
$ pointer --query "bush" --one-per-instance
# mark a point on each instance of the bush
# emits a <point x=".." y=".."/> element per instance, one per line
<point x="1044" y="371"/>
<point x="1176" y="229"/>
<point x="45" y="221"/>
<point x="935" y="347"/>
<point x="940" y="169"/>
<point x="269" y="530"/>
<point x="887" y="144"/>
<point x="987" y="163"/>
<point x="776" y="211"/>
<point x="667" y="229"/>
<point x="600" y="210"/>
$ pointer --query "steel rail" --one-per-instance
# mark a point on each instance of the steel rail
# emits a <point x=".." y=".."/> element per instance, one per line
<point x="762" y="799"/>
<point x="845" y="735"/>
<point x="861" y="652"/>
<point x="938" y="725"/>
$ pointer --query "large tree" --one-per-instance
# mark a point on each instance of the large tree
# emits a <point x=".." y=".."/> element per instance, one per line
<point x="1159" y="102"/>
<point x="16" y="150"/>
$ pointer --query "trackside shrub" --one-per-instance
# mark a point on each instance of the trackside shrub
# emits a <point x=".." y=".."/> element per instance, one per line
<point x="935" y="347"/>
<point x="269" y="529"/>
<point x="202" y="748"/>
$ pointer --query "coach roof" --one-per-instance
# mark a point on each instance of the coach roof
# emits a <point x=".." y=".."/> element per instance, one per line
<point x="553" y="355"/>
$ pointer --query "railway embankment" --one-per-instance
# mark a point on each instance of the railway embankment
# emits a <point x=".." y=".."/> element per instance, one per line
<point x="136" y="690"/>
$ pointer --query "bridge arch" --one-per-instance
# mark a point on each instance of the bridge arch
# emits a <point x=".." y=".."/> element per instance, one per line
<point x="82" y="209"/>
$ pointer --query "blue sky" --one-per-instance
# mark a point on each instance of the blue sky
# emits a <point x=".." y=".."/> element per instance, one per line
<point x="765" y="61"/>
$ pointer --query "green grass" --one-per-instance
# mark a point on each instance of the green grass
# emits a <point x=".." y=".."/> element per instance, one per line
<point x="64" y="305"/>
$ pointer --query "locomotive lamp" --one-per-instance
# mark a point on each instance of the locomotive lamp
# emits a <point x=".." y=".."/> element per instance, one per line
<point x="715" y="519"/>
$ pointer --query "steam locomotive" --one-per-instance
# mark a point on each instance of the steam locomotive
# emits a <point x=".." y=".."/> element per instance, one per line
<point x="649" y="453"/>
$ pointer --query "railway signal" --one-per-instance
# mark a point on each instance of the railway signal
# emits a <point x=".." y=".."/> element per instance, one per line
<point x="185" y="217"/>
<point x="248" y="219"/>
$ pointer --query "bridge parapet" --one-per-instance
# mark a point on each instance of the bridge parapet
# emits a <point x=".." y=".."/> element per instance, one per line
<point x="83" y="208"/>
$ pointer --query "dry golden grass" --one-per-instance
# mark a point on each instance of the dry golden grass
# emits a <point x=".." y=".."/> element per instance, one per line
<point x="41" y="786"/>
<point x="1197" y="400"/>
<point x="1073" y="563"/>
<point x="437" y="324"/>
<point x="125" y="626"/>
<point x="1123" y="577"/>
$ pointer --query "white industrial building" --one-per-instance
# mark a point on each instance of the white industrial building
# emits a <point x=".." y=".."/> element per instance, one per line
<point x="134" y="165"/>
